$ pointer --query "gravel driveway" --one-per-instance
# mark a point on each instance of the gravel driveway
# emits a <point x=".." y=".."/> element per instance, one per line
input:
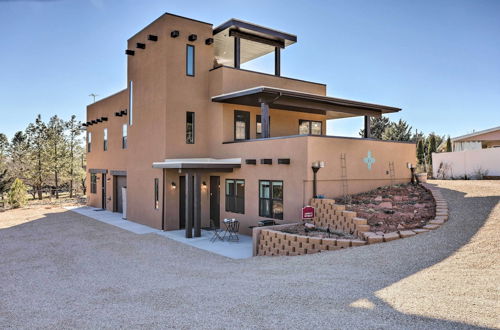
<point x="59" y="269"/>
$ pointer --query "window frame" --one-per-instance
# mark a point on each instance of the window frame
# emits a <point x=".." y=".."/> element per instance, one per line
<point x="272" y="200"/>
<point x="193" y="126"/>
<point x="258" y="120"/>
<point x="309" y="125"/>
<point x="246" y="115"/>
<point x="235" y="197"/>
<point x="93" y="183"/>
<point x="89" y="141"/>
<point x="188" y="47"/>
<point x="105" y="139"/>
<point x="156" y="194"/>
<point x="124" y="136"/>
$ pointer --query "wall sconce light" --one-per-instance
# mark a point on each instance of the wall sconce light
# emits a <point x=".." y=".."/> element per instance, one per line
<point x="315" y="167"/>
<point x="204" y="184"/>
<point x="174" y="185"/>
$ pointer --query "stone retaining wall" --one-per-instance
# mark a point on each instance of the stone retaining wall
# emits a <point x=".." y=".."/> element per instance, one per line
<point x="271" y="242"/>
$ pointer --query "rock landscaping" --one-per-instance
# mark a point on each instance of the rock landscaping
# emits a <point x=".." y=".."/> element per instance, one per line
<point x="339" y="226"/>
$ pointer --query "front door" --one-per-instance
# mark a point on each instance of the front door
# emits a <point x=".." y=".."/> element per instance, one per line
<point x="215" y="200"/>
<point x="103" y="192"/>
<point x="120" y="182"/>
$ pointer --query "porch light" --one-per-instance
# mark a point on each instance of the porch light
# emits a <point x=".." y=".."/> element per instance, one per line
<point x="315" y="167"/>
<point x="174" y="185"/>
<point x="204" y="184"/>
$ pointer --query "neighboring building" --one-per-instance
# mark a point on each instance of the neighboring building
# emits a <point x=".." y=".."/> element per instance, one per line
<point x="488" y="138"/>
<point x="244" y="141"/>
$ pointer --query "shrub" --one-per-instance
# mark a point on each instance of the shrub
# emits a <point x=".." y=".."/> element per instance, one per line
<point x="17" y="194"/>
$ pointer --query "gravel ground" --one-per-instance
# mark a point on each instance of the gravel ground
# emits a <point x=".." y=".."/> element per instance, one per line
<point x="59" y="269"/>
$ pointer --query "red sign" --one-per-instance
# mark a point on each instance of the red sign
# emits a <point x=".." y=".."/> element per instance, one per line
<point x="307" y="212"/>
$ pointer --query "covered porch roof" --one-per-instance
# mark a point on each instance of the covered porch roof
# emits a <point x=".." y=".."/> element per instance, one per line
<point x="291" y="100"/>
<point x="200" y="163"/>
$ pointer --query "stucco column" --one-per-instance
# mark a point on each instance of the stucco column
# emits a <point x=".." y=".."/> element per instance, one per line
<point x="189" y="205"/>
<point x="264" y="119"/>
<point x="197" y="204"/>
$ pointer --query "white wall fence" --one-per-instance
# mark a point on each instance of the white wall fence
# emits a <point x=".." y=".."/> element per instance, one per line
<point x="447" y="165"/>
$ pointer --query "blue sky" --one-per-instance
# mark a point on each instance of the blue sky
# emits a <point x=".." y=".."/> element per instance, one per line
<point x="438" y="60"/>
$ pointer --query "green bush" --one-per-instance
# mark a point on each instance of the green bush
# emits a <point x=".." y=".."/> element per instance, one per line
<point x="17" y="195"/>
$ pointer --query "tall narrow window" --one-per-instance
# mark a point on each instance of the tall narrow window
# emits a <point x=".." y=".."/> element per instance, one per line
<point x="124" y="136"/>
<point x="190" y="127"/>
<point x="310" y="127"/>
<point x="157" y="194"/>
<point x="105" y="146"/>
<point x="93" y="183"/>
<point x="130" y="102"/>
<point x="190" y="60"/>
<point x="89" y="141"/>
<point x="271" y="199"/>
<point x="241" y="125"/>
<point x="235" y="196"/>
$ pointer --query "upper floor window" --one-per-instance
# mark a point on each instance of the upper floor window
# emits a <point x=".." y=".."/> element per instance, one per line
<point x="190" y="127"/>
<point x="271" y="199"/>
<point x="124" y="136"/>
<point x="190" y="60"/>
<point x="93" y="183"/>
<point x="130" y="102"/>
<point x="310" y="127"/>
<point x="241" y="125"/>
<point x="235" y="196"/>
<point x="89" y="141"/>
<point x="105" y="146"/>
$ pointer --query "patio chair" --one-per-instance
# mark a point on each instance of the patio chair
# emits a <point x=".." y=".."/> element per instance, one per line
<point x="234" y="228"/>
<point x="215" y="231"/>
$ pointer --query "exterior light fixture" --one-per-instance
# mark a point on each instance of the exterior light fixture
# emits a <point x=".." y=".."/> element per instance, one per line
<point x="192" y="37"/>
<point x="174" y="185"/>
<point x="209" y="41"/>
<point x="204" y="184"/>
<point x="130" y="52"/>
<point x="140" y="45"/>
<point x="152" y="37"/>
<point x="174" y="34"/>
<point x="315" y="167"/>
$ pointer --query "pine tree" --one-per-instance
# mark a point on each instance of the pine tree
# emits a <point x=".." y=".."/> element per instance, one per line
<point x="5" y="182"/>
<point x="37" y="171"/>
<point x="397" y="131"/>
<point x="420" y="152"/>
<point x="4" y="147"/>
<point x="17" y="194"/>
<point x="74" y="131"/>
<point x="18" y="155"/>
<point x="377" y="127"/>
<point x="431" y="147"/>
<point x="57" y="149"/>
<point x="448" y="144"/>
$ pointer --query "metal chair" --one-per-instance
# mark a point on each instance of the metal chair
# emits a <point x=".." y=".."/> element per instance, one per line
<point x="215" y="231"/>
<point x="234" y="228"/>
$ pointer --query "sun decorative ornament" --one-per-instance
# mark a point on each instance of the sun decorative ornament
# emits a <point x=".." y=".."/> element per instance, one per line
<point x="369" y="160"/>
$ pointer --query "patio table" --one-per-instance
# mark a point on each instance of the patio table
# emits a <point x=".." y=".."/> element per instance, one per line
<point x="232" y="228"/>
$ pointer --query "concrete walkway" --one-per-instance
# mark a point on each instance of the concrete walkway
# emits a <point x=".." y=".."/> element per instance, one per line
<point x="235" y="250"/>
<point x="58" y="269"/>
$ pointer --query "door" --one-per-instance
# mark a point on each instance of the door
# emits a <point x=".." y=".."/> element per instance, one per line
<point x="215" y="200"/>
<point x="103" y="188"/>
<point x="241" y="125"/>
<point x="120" y="182"/>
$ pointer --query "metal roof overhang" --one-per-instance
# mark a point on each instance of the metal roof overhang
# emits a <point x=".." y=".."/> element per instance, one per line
<point x="200" y="163"/>
<point x="303" y="102"/>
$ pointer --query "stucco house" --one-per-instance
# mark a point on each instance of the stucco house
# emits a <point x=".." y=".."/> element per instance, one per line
<point x="488" y="138"/>
<point x="195" y="138"/>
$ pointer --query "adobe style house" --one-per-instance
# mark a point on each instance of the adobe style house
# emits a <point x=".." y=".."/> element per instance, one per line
<point x="194" y="137"/>
<point x="488" y="138"/>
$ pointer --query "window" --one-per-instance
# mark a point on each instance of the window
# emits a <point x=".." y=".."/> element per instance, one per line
<point x="89" y="141"/>
<point x="93" y="183"/>
<point x="157" y="194"/>
<point x="105" y="146"/>
<point x="190" y="127"/>
<point x="241" y="125"/>
<point x="271" y="199"/>
<point x="190" y="60"/>
<point x="124" y="136"/>
<point x="310" y="127"/>
<point x="235" y="196"/>
<point x="258" y="126"/>
<point x="130" y="102"/>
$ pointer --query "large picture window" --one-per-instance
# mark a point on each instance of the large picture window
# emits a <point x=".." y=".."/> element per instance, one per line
<point x="271" y="199"/>
<point x="190" y="127"/>
<point x="93" y="183"/>
<point x="235" y="196"/>
<point x="310" y="127"/>
<point x="190" y="60"/>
